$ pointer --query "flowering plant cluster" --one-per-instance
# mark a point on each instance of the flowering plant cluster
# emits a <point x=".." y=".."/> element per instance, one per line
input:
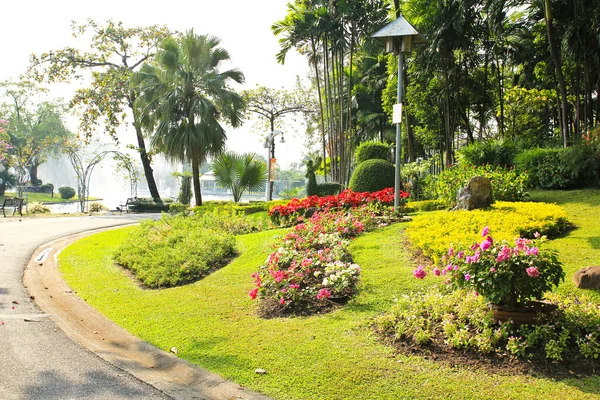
<point x="311" y="264"/>
<point x="504" y="274"/>
<point x="296" y="209"/>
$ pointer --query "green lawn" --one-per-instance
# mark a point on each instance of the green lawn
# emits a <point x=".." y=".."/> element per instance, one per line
<point x="43" y="197"/>
<point x="213" y="322"/>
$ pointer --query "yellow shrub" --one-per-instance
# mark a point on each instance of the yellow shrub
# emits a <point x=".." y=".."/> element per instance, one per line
<point x="433" y="233"/>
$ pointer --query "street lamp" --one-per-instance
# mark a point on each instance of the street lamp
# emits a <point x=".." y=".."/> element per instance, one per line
<point x="398" y="37"/>
<point x="270" y="146"/>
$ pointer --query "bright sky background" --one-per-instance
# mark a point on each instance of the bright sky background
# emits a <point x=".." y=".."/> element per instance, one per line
<point x="36" y="26"/>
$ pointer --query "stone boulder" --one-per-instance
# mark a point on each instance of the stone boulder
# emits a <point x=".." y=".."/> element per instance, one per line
<point x="587" y="278"/>
<point x="477" y="194"/>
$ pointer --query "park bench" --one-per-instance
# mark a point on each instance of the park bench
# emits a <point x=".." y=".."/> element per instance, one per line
<point x="131" y="202"/>
<point x="14" y="202"/>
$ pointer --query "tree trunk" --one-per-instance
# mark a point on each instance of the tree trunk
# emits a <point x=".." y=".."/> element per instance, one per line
<point x="196" y="179"/>
<point x="410" y="135"/>
<point x="148" y="172"/>
<point x="558" y="70"/>
<point x="316" y="66"/>
<point x="33" y="174"/>
<point x="2" y="188"/>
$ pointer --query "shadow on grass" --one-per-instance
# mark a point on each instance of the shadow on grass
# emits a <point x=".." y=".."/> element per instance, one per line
<point x="594" y="242"/>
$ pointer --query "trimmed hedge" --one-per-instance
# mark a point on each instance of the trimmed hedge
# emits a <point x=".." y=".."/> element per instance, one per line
<point x="372" y="151"/>
<point x="558" y="168"/>
<point x="372" y="176"/>
<point x="66" y="192"/>
<point x="329" y="189"/>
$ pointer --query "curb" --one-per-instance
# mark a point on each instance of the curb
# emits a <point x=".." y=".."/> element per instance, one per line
<point x="173" y="376"/>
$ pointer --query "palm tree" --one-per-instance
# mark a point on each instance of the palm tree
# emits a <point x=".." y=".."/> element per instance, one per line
<point x="240" y="173"/>
<point x="183" y="98"/>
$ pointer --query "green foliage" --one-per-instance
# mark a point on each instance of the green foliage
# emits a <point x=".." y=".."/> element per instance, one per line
<point x="507" y="184"/>
<point x="178" y="208"/>
<point x="37" y="208"/>
<point x="424" y="205"/>
<point x="329" y="189"/>
<point x="311" y="179"/>
<point x="461" y="320"/>
<point x="97" y="207"/>
<point x="495" y="152"/>
<point x="372" y="175"/>
<point x="240" y="173"/>
<point x="66" y="192"/>
<point x="149" y="205"/>
<point x="372" y="151"/>
<point x="559" y="168"/>
<point x="185" y="190"/>
<point x="435" y="232"/>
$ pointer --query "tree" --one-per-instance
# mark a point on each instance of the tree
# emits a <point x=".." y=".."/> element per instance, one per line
<point x="115" y="53"/>
<point x="35" y="129"/>
<point x="183" y="97"/>
<point x="240" y="173"/>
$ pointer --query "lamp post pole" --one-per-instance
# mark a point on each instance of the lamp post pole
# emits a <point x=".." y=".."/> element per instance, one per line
<point x="270" y="146"/>
<point x="398" y="135"/>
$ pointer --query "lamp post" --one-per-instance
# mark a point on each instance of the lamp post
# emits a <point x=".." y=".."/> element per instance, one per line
<point x="398" y="37"/>
<point x="270" y="146"/>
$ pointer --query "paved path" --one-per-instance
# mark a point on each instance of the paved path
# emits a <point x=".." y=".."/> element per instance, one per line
<point x="39" y="361"/>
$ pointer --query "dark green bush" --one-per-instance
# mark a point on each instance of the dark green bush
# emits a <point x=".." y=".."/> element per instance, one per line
<point x="178" y="208"/>
<point x="495" y="152"/>
<point x="558" y="168"/>
<point x="66" y="192"/>
<point x="372" y="151"/>
<point x="311" y="179"/>
<point x="372" y="176"/>
<point x="148" y="205"/>
<point x="185" y="190"/>
<point x="329" y="189"/>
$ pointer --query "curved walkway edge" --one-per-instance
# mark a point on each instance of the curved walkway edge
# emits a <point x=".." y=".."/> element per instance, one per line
<point x="166" y="372"/>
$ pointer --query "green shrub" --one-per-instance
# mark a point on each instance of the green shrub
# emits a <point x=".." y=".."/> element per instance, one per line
<point x="372" y="151"/>
<point x="250" y="208"/>
<point x="149" y="205"/>
<point x="372" y="176"/>
<point x="185" y="190"/>
<point x="558" y="168"/>
<point x="178" y="208"/>
<point x="97" y="207"/>
<point x="37" y="208"/>
<point x="461" y="320"/>
<point x="424" y="205"/>
<point x="182" y="249"/>
<point x="433" y="233"/>
<point x="507" y="184"/>
<point x="494" y="152"/>
<point x="66" y="192"/>
<point x="47" y="188"/>
<point x="311" y="179"/>
<point x="329" y="189"/>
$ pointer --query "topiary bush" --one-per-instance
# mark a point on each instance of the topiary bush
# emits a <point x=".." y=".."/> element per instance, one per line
<point x="372" y="151"/>
<point x="329" y="189"/>
<point x="311" y="179"/>
<point x="372" y="176"/>
<point x="66" y="192"/>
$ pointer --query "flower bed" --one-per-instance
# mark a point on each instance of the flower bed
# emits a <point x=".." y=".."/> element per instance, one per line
<point x="295" y="210"/>
<point x="311" y="265"/>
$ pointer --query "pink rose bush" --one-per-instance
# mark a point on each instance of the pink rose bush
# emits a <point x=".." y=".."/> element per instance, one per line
<point x="502" y="273"/>
<point x="311" y="265"/>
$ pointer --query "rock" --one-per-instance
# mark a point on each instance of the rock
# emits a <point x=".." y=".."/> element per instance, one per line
<point x="260" y="371"/>
<point x="477" y="194"/>
<point x="587" y="278"/>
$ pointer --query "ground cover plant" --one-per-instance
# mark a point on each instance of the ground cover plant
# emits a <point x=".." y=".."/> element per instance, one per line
<point x="213" y="322"/>
<point x="181" y="249"/>
<point x="434" y="233"/>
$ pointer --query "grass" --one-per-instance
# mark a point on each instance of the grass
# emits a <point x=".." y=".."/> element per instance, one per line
<point x="213" y="322"/>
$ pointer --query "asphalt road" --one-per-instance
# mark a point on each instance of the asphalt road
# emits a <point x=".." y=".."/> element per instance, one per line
<point x="37" y="360"/>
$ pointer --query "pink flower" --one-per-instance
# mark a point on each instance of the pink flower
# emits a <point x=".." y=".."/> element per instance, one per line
<point x="455" y="268"/>
<point x="492" y="269"/>
<point x="485" y="245"/>
<point x="323" y="293"/>
<point x="475" y="246"/>
<point x="419" y="273"/>
<point x="282" y="301"/>
<point x="534" y="251"/>
<point x="533" y="272"/>
<point x="444" y="272"/>
<point x="476" y="294"/>
<point x="437" y="271"/>
<point x="467" y="277"/>
<point x="253" y="293"/>
<point x="485" y="231"/>
<point x="460" y="254"/>
<point x="450" y="251"/>
<point x="504" y="254"/>
<point x="294" y="286"/>
<point x="536" y="235"/>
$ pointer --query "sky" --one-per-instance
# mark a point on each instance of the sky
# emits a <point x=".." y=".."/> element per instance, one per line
<point x="36" y="26"/>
